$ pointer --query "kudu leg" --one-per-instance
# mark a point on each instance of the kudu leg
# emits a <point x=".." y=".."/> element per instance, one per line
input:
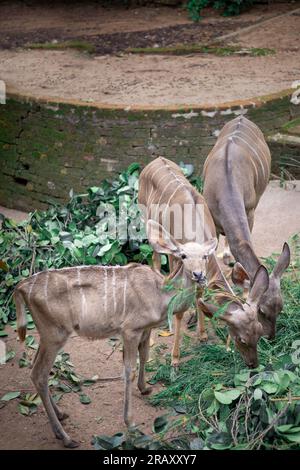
<point x="176" y="345"/>
<point x="60" y="414"/>
<point x="130" y="348"/>
<point x="144" y="347"/>
<point x="39" y="375"/>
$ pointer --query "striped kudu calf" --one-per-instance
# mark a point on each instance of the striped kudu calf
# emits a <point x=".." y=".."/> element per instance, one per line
<point x="236" y="173"/>
<point x="97" y="302"/>
<point x="163" y="187"/>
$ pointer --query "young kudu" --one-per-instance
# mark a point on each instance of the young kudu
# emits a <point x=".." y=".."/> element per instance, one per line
<point x="162" y="190"/>
<point x="236" y="173"/>
<point x="100" y="301"/>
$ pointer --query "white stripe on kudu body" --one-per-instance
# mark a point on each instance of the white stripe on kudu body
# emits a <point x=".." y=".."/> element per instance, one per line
<point x="250" y="135"/>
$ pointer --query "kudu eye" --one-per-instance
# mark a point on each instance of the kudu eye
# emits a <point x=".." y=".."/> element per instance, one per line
<point x="183" y="256"/>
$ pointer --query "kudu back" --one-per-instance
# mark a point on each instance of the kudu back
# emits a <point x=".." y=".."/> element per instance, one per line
<point x="236" y="173"/>
<point x="97" y="302"/>
<point x="162" y="186"/>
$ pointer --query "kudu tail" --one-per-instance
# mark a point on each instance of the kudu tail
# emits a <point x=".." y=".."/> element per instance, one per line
<point x="21" y="315"/>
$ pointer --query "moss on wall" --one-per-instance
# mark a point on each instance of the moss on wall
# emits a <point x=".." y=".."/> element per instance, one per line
<point x="47" y="148"/>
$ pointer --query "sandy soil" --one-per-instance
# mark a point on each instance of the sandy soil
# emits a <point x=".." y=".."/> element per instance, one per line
<point x="278" y="210"/>
<point x="160" y="80"/>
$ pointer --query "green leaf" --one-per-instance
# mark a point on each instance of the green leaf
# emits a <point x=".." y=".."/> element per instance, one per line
<point x="74" y="378"/>
<point x="293" y="437"/>
<point x="10" y="396"/>
<point x="269" y="387"/>
<point x="84" y="399"/>
<point x="10" y="355"/>
<point x="160" y="424"/>
<point x="284" y="427"/>
<point x="104" y="249"/>
<point x="257" y="395"/>
<point x="108" y="443"/>
<point x="228" y="396"/>
<point x="24" y="410"/>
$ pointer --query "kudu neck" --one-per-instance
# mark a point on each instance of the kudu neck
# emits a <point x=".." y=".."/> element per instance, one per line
<point x="236" y="228"/>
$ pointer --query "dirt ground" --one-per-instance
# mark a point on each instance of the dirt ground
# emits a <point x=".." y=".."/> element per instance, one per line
<point x="278" y="210"/>
<point x="137" y="80"/>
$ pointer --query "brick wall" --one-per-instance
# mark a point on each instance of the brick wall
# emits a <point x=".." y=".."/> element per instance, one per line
<point x="47" y="148"/>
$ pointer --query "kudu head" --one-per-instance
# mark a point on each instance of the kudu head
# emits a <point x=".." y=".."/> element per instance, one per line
<point x="271" y="302"/>
<point x="242" y="318"/>
<point x="194" y="256"/>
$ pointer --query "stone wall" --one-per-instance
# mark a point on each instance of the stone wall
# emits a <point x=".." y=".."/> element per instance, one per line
<point x="47" y="148"/>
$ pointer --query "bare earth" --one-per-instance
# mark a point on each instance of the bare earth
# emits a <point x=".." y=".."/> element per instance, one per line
<point x="277" y="218"/>
<point x="158" y="80"/>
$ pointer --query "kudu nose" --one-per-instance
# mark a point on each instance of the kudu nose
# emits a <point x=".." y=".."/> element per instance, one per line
<point x="199" y="276"/>
<point x="253" y="364"/>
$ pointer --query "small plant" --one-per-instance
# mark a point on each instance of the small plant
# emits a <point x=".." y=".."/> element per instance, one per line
<point x="227" y="7"/>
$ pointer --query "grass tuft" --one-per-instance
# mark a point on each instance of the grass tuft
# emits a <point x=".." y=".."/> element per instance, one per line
<point x="221" y="51"/>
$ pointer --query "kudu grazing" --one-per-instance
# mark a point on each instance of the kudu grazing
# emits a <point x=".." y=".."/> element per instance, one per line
<point x="162" y="190"/>
<point x="236" y="173"/>
<point x="100" y="301"/>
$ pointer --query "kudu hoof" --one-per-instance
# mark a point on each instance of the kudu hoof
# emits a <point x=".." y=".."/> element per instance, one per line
<point x="70" y="444"/>
<point x="146" y="391"/>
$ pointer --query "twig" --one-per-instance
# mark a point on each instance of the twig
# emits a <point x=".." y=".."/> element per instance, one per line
<point x="18" y="390"/>
<point x="271" y="425"/>
<point x="113" y="349"/>
<point x="286" y="399"/>
<point x="210" y="423"/>
<point x="32" y="260"/>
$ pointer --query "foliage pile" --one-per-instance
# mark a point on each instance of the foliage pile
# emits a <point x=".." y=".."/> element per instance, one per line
<point x="226" y="406"/>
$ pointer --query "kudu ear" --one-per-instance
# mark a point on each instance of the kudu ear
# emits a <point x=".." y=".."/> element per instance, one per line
<point x="259" y="286"/>
<point x="210" y="246"/>
<point x="208" y="309"/>
<point x="160" y="239"/>
<point x="239" y="276"/>
<point x="283" y="261"/>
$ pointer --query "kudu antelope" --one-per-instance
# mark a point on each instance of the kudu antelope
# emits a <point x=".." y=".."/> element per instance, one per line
<point x="163" y="187"/>
<point x="236" y="173"/>
<point x="97" y="302"/>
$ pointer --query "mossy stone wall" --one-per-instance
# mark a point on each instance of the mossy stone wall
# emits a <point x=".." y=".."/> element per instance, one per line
<point x="47" y="148"/>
